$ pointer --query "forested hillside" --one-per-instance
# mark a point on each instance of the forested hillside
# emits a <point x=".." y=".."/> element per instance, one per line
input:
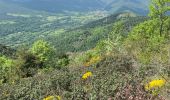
<point x="85" y="56"/>
<point x="31" y="27"/>
<point x="17" y="31"/>
<point x="87" y="36"/>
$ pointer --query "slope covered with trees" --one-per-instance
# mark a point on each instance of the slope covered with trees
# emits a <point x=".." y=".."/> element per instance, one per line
<point x="130" y="62"/>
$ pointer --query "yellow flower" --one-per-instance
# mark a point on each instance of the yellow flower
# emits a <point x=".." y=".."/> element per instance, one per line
<point x="93" y="60"/>
<point x="155" y="84"/>
<point x="86" y="75"/>
<point x="52" y="98"/>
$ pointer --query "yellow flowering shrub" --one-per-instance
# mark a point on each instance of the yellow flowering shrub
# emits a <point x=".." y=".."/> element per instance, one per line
<point x="86" y="75"/>
<point x="155" y="84"/>
<point x="52" y="98"/>
<point x="93" y="60"/>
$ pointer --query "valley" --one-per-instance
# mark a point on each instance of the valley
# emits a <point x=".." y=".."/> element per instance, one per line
<point x="13" y="26"/>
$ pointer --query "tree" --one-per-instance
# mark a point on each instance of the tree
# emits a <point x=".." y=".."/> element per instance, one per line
<point x="43" y="50"/>
<point x="158" y="10"/>
<point x="5" y="69"/>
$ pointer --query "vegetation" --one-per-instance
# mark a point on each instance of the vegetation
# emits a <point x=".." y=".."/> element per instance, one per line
<point x="158" y="10"/>
<point x="120" y="57"/>
<point x="16" y="29"/>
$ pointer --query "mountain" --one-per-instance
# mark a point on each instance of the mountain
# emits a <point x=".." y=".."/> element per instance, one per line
<point x="136" y="6"/>
<point x="87" y="36"/>
<point x="81" y="38"/>
<point x="112" y="6"/>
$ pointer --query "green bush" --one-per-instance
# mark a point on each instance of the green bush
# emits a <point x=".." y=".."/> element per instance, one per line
<point x="44" y="52"/>
<point x="8" y="72"/>
<point x="38" y="87"/>
<point x="27" y="63"/>
<point x="69" y="83"/>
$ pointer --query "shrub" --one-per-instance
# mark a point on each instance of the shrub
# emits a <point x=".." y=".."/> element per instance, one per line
<point x="38" y="87"/>
<point x="63" y="60"/>
<point x="135" y="91"/>
<point x="7" y="71"/>
<point x="44" y="51"/>
<point x="27" y="63"/>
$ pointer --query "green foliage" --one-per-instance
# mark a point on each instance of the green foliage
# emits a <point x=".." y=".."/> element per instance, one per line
<point x="145" y="42"/>
<point x="112" y="77"/>
<point x="43" y="51"/>
<point x="6" y="69"/>
<point x="113" y="44"/>
<point x="27" y="63"/>
<point x="63" y="60"/>
<point x="158" y="10"/>
<point x="38" y="87"/>
<point x="88" y="58"/>
<point x="69" y="85"/>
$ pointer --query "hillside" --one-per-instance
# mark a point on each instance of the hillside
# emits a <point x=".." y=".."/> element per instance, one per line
<point x="87" y="36"/>
<point x="84" y="50"/>
<point x="121" y="66"/>
<point x="136" y="6"/>
<point x="18" y="28"/>
<point x="82" y="37"/>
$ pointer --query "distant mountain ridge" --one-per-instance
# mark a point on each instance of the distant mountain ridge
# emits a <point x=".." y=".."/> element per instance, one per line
<point x="113" y="6"/>
<point x="135" y="6"/>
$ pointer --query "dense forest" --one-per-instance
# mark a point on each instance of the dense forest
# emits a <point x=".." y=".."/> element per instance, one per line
<point x="122" y="56"/>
